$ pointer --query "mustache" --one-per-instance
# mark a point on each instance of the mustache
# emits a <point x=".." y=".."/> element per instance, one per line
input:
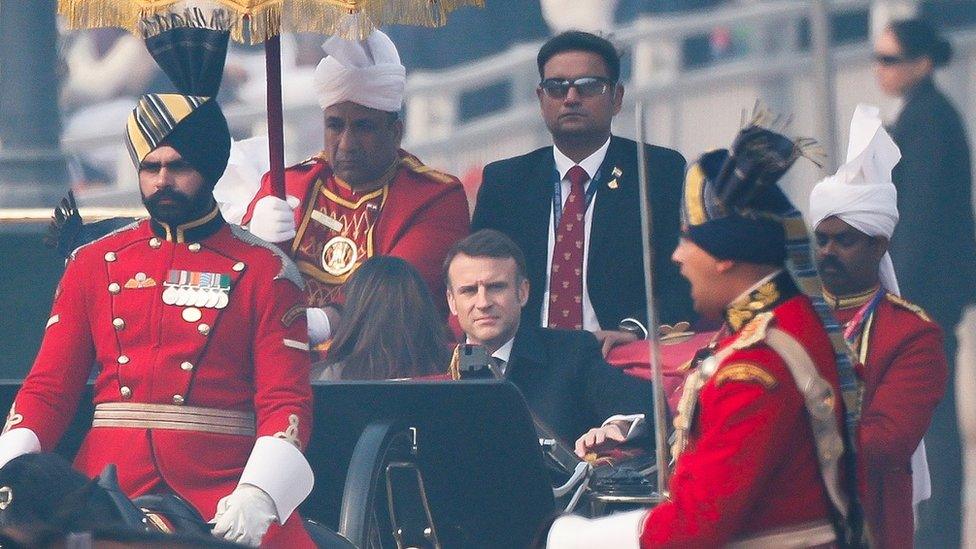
<point x="350" y="154"/>
<point x="832" y="262"/>
<point x="167" y="193"/>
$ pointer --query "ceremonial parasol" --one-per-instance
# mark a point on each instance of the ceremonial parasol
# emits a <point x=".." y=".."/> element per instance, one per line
<point x="188" y="38"/>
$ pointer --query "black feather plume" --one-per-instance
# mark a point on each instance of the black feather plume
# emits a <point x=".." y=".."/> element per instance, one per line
<point x="190" y="46"/>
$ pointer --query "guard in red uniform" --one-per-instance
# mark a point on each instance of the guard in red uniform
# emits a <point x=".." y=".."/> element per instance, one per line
<point x="899" y="347"/>
<point x="195" y="329"/>
<point x="412" y="212"/>
<point x="905" y="374"/>
<point x="759" y="433"/>
<point x="362" y="196"/>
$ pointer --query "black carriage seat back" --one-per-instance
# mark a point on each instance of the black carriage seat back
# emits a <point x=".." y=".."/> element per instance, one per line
<point x="108" y="480"/>
<point x="167" y="513"/>
<point x="171" y="514"/>
<point x="325" y="538"/>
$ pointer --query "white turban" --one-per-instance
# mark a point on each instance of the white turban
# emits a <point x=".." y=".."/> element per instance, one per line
<point x="861" y="193"/>
<point x="367" y="72"/>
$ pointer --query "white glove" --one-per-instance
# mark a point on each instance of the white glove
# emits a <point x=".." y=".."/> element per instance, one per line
<point x="244" y="516"/>
<point x="319" y="327"/>
<point x="17" y="442"/>
<point x="621" y="530"/>
<point x="274" y="219"/>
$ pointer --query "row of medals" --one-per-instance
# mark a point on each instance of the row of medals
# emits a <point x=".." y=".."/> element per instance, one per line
<point x="195" y="296"/>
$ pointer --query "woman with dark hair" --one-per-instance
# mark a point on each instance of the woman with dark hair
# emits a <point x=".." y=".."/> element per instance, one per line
<point x="933" y="247"/>
<point x="390" y="326"/>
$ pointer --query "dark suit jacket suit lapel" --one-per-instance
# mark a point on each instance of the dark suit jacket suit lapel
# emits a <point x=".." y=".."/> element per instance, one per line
<point x="566" y="382"/>
<point x="529" y="369"/>
<point x="528" y="359"/>
<point x="539" y="206"/>
<point x="608" y="204"/>
<point x="516" y="198"/>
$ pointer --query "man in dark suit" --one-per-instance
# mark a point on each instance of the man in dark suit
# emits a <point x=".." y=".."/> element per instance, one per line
<point x="574" y="208"/>
<point x="566" y="382"/>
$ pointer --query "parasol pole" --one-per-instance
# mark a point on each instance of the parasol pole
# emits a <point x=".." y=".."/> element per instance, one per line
<point x="276" y="137"/>
<point x="657" y="378"/>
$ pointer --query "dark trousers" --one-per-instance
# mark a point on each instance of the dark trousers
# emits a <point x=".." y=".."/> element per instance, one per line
<point x="940" y="518"/>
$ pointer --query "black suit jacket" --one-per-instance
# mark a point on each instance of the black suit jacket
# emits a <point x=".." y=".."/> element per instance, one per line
<point x="934" y="247"/>
<point x="568" y="385"/>
<point x="516" y="199"/>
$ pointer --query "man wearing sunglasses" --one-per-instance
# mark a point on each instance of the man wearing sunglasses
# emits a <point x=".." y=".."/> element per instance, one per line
<point x="574" y="207"/>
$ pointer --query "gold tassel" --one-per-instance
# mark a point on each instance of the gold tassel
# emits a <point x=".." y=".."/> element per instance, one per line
<point x="143" y="18"/>
<point x="217" y="19"/>
<point x="263" y="22"/>
<point x="86" y="14"/>
<point x="455" y="367"/>
<point x="263" y="19"/>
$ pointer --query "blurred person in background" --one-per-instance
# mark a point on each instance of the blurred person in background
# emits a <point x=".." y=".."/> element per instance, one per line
<point x="936" y="230"/>
<point x="391" y="327"/>
<point x="103" y="70"/>
<point x="471" y="35"/>
<point x="588" y="15"/>
<point x="103" y="65"/>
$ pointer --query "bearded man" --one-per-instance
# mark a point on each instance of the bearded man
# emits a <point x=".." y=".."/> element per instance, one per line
<point x="196" y="331"/>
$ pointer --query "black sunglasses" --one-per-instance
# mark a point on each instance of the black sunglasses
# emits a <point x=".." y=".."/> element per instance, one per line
<point x="883" y="59"/>
<point x="587" y="86"/>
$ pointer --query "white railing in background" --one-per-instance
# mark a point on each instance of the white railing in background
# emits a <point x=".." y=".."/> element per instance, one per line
<point x="690" y="109"/>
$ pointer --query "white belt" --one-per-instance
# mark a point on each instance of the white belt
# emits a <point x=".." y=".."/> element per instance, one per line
<point x="136" y="415"/>
<point x="810" y="534"/>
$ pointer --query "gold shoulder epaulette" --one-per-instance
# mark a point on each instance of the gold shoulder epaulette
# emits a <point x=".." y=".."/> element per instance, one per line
<point x="745" y="372"/>
<point x="414" y="164"/>
<point x="905" y="304"/>
<point x="754" y="331"/>
<point x="310" y="160"/>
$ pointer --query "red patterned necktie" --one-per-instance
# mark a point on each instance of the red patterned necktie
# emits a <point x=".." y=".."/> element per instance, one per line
<point x="566" y="277"/>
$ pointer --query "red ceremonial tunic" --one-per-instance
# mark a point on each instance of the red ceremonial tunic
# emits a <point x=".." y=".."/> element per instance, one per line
<point x="225" y="337"/>
<point x="750" y="466"/>
<point x="416" y="215"/>
<point x="905" y="374"/>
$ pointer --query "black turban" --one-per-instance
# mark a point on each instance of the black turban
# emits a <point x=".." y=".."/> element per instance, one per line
<point x="193" y="125"/>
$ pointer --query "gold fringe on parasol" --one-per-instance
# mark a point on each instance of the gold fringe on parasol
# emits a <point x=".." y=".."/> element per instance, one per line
<point x="254" y="21"/>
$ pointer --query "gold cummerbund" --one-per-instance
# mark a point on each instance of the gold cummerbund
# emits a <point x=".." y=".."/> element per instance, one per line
<point x="136" y="415"/>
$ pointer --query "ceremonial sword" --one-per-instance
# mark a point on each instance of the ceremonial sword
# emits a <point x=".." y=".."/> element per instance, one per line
<point x="657" y="378"/>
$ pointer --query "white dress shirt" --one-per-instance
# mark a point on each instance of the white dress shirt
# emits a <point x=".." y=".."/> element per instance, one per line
<point x="591" y="164"/>
<point x="503" y="354"/>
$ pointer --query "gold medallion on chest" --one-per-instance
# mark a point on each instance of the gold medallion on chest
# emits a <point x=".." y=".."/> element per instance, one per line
<point x="339" y="256"/>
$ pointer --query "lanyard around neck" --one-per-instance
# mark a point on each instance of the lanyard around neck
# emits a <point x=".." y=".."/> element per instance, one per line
<point x="856" y="328"/>
<point x="557" y="195"/>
